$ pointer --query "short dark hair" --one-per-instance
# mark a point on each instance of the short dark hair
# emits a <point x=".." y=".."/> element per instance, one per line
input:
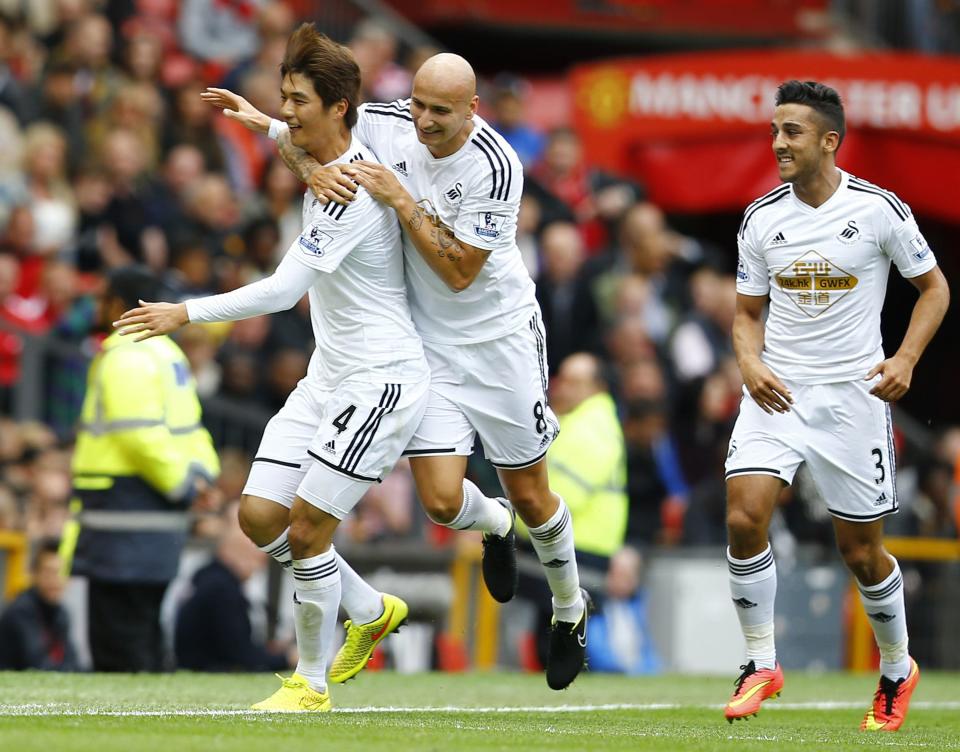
<point x="44" y="547"/>
<point x="818" y="97"/>
<point x="134" y="283"/>
<point x="330" y="66"/>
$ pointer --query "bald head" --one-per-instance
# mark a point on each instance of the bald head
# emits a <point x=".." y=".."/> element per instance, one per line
<point x="447" y="76"/>
<point x="443" y="103"/>
<point x="578" y="378"/>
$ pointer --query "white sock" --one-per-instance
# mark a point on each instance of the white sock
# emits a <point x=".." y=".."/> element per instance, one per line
<point x="553" y="542"/>
<point x="480" y="512"/>
<point x="753" y="587"/>
<point x="883" y="603"/>
<point x="315" y="608"/>
<point x="362" y="603"/>
<point x="279" y="549"/>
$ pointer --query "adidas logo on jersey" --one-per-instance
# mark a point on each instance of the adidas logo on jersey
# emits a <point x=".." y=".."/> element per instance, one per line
<point x="330" y="447"/>
<point x="401" y="167"/>
<point x="778" y="239"/>
<point x="881" y="499"/>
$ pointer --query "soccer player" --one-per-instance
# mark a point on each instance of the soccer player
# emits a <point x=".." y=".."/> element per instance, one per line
<point x="455" y="185"/>
<point x="366" y="388"/>
<point x="818" y="386"/>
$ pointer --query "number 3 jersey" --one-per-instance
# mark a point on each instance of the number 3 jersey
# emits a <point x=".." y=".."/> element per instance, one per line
<point x="475" y="192"/>
<point x="825" y="270"/>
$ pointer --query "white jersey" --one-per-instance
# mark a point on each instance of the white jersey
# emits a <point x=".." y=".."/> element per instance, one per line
<point x="825" y="270"/>
<point x="348" y="258"/>
<point x="476" y="193"/>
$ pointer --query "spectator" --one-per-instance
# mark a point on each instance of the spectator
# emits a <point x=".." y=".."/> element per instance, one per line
<point x="569" y="314"/>
<point x="656" y="484"/>
<point x="88" y="45"/>
<point x="166" y="195"/>
<point x="619" y="636"/>
<point x="123" y="155"/>
<point x="595" y="198"/>
<point x="528" y="224"/>
<point x="222" y="32"/>
<point x="11" y="93"/>
<point x="9" y="507"/>
<point x="645" y="248"/>
<point x="510" y="122"/>
<point x="279" y="199"/>
<point x="49" y="196"/>
<point x="215" y="215"/>
<point x="200" y="347"/>
<point x="385" y="511"/>
<point x="702" y="339"/>
<point x="275" y="22"/>
<point x="374" y="47"/>
<point x="48" y="492"/>
<point x="213" y="628"/>
<point x="35" y="627"/>
<point x="191" y="121"/>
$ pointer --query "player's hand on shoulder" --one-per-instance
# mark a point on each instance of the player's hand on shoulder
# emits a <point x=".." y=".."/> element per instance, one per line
<point x="332" y="183"/>
<point x="765" y="388"/>
<point x="379" y="180"/>
<point x="237" y="108"/>
<point x="896" y="373"/>
<point x="152" y="320"/>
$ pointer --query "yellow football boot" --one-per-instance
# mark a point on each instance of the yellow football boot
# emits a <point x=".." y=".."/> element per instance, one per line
<point x="363" y="638"/>
<point x="295" y="696"/>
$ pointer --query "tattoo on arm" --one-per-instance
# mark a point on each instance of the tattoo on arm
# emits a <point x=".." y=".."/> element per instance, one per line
<point x="448" y="243"/>
<point x="300" y="163"/>
<point x="416" y="219"/>
<point x="441" y="237"/>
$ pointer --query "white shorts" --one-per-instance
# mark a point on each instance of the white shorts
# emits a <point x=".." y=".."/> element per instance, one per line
<point x="328" y="446"/>
<point x="497" y="389"/>
<point x="842" y="432"/>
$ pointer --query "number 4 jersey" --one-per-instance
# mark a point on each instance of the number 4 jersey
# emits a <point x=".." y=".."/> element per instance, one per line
<point x="825" y="270"/>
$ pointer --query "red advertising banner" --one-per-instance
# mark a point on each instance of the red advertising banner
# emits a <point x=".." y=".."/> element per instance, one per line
<point x="695" y="128"/>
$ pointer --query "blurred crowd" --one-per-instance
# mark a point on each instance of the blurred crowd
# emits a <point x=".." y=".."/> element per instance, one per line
<point x="109" y="157"/>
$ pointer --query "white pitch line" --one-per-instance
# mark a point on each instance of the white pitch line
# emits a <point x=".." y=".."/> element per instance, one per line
<point x="55" y="709"/>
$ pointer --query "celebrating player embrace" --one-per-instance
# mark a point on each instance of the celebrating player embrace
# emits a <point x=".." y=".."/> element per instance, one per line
<point x="455" y="185"/>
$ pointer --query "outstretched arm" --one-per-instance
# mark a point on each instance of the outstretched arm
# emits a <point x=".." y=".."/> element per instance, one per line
<point x="278" y="292"/>
<point x="928" y="312"/>
<point x="327" y="183"/>
<point x="455" y="262"/>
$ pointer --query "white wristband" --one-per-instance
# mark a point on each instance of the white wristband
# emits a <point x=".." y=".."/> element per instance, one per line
<point x="274" y="131"/>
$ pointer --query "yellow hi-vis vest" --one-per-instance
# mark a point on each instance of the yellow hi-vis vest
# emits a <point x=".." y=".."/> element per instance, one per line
<point x="588" y="468"/>
<point x="140" y="449"/>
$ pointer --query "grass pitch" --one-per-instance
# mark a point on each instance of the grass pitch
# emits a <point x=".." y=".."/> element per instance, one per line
<point x="494" y="711"/>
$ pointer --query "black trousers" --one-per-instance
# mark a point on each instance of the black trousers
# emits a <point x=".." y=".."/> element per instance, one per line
<point x="124" y="625"/>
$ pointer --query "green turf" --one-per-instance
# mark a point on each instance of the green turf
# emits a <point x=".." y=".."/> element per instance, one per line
<point x="40" y="712"/>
